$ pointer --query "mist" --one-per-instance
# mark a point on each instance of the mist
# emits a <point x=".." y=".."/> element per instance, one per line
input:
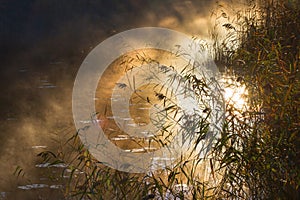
<point x="42" y="45"/>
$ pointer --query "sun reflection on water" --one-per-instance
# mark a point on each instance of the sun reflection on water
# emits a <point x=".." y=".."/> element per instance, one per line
<point x="235" y="94"/>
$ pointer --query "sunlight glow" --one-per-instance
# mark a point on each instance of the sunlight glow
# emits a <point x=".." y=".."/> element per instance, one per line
<point x="235" y="95"/>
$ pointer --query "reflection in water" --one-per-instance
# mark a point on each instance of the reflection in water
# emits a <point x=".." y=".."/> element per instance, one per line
<point x="44" y="165"/>
<point x="46" y="84"/>
<point x="32" y="186"/>
<point x="39" y="147"/>
<point x="2" y="195"/>
<point x="39" y="186"/>
<point x="235" y="93"/>
<point x="35" y="107"/>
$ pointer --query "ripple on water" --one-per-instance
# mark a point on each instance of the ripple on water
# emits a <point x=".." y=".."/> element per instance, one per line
<point x="32" y="186"/>
<point x="45" y="84"/>
<point x="140" y="150"/>
<point x="38" y="186"/>
<point x="39" y="147"/>
<point x="44" y="165"/>
<point x="3" y="195"/>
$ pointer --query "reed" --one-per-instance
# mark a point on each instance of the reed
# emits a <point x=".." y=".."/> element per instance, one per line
<point x="257" y="154"/>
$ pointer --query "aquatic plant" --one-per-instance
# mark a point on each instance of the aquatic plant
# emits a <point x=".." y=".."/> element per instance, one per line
<point x="257" y="153"/>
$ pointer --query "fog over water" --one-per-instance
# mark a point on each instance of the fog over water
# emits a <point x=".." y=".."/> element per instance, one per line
<point x="42" y="45"/>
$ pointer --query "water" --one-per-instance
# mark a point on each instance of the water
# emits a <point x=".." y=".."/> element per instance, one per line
<point x="42" y="45"/>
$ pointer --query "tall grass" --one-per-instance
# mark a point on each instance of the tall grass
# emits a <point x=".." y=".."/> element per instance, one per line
<point x="261" y="150"/>
<point x="257" y="155"/>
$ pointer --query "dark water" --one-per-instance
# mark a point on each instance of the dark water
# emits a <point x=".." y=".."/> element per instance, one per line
<point x="42" y="45"/>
